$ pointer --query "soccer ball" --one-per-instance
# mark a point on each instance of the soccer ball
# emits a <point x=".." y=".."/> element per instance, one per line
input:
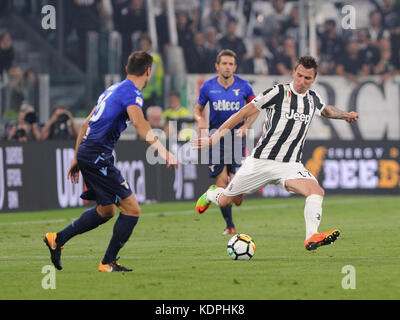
<point x="241" y="247"/>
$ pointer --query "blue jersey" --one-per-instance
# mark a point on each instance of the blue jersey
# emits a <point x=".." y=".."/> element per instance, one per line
<point x="110" y="117"/>
<point x="224" y="102"/>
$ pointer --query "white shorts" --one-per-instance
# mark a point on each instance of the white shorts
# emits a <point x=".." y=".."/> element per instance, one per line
<point x="257" y="173"/>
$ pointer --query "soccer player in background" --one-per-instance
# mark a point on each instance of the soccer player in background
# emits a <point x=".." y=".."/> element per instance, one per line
<point x="276" y="159"/>
<point x="97" y="137"/>
<point x="226" y="94"/>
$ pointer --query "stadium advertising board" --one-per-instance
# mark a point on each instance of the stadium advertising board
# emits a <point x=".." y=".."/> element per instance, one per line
<point x="33" y="175"/>
<point x="366" y="167"/>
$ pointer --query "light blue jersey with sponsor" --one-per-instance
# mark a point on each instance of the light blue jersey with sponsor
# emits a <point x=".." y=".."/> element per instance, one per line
<point x="224" y="102"/>
<point x="110" y="117"/>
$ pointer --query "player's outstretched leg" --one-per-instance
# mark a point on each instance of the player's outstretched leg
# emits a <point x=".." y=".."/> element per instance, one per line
<point x="203" y="203"/>
<point x="321" y="239"/>
<point x="89" y="220"/>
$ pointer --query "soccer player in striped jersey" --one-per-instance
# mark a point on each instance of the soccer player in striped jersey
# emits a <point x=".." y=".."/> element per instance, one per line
<point x="98" y="135"/>
<point x="276" y="159"/>
<point x="226" y="94"/>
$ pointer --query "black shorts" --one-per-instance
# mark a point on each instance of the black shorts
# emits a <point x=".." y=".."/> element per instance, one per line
<point x="230" y="155"/>
<point x="103" y="180"/>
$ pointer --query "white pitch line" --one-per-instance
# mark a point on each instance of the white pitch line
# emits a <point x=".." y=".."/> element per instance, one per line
<point x="246" y="207"/>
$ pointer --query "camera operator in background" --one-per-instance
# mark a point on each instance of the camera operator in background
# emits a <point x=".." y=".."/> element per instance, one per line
<point x="61" y="125"/>
<point x="26" y="128"/>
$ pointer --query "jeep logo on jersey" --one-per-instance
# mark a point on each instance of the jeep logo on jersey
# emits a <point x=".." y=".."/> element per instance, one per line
<point x="298" y="116"/>
<point x="223" y="105"/>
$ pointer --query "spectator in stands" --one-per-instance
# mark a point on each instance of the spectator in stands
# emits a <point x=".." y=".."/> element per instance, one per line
<point x="6" y="52"/>
<point x="131" y="22"/>
<point x="154" y="117"/>
<point x="211" y="46"/>
<point x="153" y="93"/>
<point x="185" y="33"/>
<point x="217" y="17"/>
<point x="291" y="26"/>
<point x="375" y="29"/>
<point x="16" y="86"/>
<point x="369" y="53"/>
<point x="391" y="22"/>
<point x="86" y="17"/>
<point x="61" y="126"/>
<point x="285" y="60"/>
<point x="272" y="24"/>
<point x="192" y="9"/>
<point x="162" y="29"/>
<point x="25" y="128"/>
<point x="330" y="47"/>
<point x="385" y="66"/>
<point x="197" y="55"/>
<point x="177" y="118"/>
<point x="233" y="42"/>
<point x="352" y="64"/>
<point x="259" y="63"/>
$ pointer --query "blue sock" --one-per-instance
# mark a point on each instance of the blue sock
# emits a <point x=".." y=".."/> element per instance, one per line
<point x="89" y="220"/>
<point x="123" y="228"/>
<point x="227" y="214"/>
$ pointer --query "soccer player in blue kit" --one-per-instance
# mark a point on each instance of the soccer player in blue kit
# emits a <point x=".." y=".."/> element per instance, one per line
<point x="98" y="135"/>
<point x="226" y="94"/>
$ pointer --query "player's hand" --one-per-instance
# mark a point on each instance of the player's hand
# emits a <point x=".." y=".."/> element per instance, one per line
<point x="352" y="116"/>
<point x="200" y="143"/>
<point x="172" y="162"/>
<point x="242" y="131"/>
<point x="73" y="172"/>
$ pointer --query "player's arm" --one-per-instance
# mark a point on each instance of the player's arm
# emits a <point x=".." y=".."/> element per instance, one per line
<point x="249" y="121"/>
<point x="247" y="111"/>
<point x="145" y="131"/>
<point x="332" y="112"/>
<point x="201" y="121"/>
<point x="73" y="172"/>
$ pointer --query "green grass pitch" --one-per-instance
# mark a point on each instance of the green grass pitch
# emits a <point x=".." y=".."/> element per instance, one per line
<point x="177" y="254"/>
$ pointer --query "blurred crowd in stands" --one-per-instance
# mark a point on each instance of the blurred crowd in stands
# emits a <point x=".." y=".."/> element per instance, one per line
<point x="265" y="45"/>
<point x="273" y="45"/>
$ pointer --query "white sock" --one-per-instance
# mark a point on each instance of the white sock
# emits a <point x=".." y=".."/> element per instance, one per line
<point x="213" y="195"/>
<point x="313" y="214"/>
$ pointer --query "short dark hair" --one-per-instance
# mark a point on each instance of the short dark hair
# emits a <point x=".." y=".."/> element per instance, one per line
<point x="226" y="52"/>
<point x="138" y="63"/>
<point x="307" y="62"/>
<point x="174" y="93"/>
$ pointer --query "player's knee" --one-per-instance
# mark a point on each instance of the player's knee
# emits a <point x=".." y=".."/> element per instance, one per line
<point x="136" y="211"/>
<point x="131" y="210"/>
<point x="106" y="212"/>
<point x="224" y="201"/>
<point x="317" y="190"/>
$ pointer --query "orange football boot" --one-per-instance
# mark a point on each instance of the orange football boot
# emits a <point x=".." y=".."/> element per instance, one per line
<point x="321" y="239"/>
<point x="114" y="266"/>
<point x="50" y="240"/>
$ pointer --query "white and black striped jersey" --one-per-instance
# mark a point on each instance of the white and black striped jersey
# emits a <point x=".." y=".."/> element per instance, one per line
<point x="286" y="123"/>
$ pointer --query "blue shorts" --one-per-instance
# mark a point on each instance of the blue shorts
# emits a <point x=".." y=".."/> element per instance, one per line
<point x="103" y="180"/>
<point x="230" y="155"/>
